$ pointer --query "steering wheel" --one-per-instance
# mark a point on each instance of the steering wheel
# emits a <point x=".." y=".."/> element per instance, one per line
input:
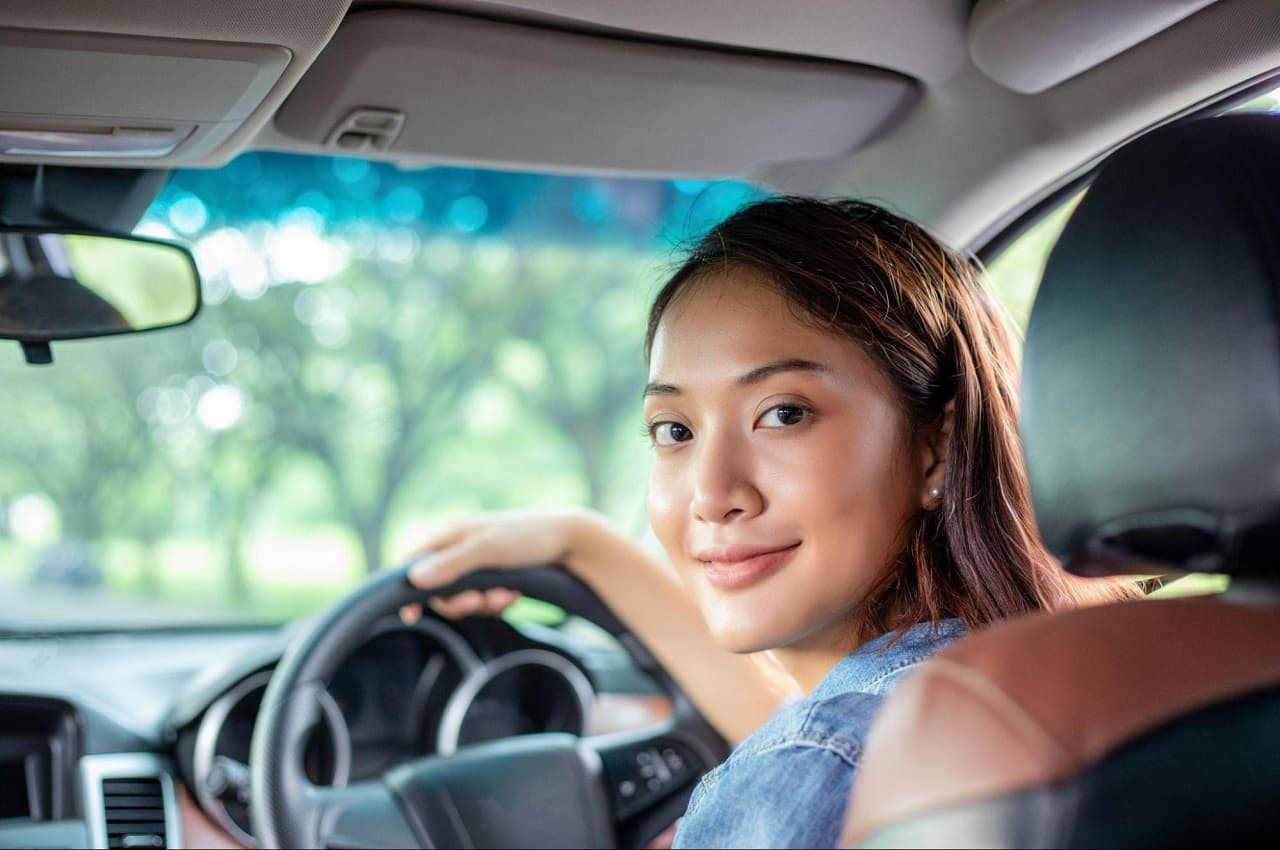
<point x="548" y="790"/>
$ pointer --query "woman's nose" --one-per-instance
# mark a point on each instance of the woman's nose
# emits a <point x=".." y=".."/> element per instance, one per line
<point x="723" y="490"/>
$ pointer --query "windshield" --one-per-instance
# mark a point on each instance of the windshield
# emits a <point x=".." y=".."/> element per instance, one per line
<point x="380" y="349"/>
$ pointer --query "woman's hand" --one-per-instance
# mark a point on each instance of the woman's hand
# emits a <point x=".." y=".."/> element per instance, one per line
<point x="638" y="586"/>
<point x="500" y="539"/>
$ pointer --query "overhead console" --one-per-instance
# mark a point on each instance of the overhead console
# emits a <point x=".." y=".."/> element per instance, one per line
<point x="144" y="84"/>
<point x="78" y="96"/>
<point x="415" y="83"/>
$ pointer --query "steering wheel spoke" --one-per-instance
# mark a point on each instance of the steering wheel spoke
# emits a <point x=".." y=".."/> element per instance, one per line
<point x="365" y="814"/>
<point x="550" y="790"/>
<point x="529" y="791"/>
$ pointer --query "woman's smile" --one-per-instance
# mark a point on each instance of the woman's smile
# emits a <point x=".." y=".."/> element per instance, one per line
<point x="735" y="567"/>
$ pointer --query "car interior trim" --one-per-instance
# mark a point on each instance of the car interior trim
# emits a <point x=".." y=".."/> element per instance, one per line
<point x="96" y="769"/>
<point x="211" y="727"/>
<point x="1008" y="728"/>
<point x="460" y="702"/>
<point x="652" y="108"/>
<point x="1033" y="45"/>
<point x="453" y="643"/>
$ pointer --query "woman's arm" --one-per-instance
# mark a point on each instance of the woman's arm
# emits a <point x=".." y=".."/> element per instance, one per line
<point x="730" y="690"/>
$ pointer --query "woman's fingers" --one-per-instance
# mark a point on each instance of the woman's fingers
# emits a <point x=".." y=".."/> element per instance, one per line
<point x="511" y="539"/>
<point x="443" y="537"/>
<point x="411" y="613"/>
<point x="474" y="603"/>
<point x="499" y="599"/>
<point x="440" y="604"/>
<point x="448" y="564"/>
<point x="447" y="557"/>
<point x="502" y="539"/>
<point x="464" y="604"/>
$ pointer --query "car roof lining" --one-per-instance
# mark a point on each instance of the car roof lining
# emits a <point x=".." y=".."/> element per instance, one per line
<point x="572" y="101"/>
<point x="1006" y="150"/>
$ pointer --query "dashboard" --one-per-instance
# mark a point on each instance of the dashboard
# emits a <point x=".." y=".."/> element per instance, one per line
<point x="143" y="739"/>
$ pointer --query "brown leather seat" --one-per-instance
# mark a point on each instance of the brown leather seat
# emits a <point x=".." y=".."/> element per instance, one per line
<point x="1152" y="434"/>
<point x="1035" y="702"/>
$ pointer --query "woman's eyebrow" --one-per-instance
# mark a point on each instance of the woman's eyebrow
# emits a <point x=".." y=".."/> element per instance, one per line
<point x="653" y="388"/>
<point x="770" y="369"/>
<point x="755" y="376"/>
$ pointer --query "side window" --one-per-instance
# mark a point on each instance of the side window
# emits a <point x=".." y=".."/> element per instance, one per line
<point x="1015" y="274"/>
<point x="1266" y="102"/>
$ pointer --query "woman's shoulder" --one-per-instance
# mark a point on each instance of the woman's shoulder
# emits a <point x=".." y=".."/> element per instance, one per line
<point x="839" y="711"/>
<point x="815" y="719"/>
<point x="809" y="747"/>
<point x="812" y="746"/>
<point x="878" y="665"/>
<point x="837" y="723"/>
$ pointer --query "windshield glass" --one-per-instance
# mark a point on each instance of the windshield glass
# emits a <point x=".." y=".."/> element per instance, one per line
<point x="379" y="349"/>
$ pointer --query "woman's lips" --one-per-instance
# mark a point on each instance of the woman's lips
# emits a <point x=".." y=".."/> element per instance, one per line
<point x="737" y="567"/>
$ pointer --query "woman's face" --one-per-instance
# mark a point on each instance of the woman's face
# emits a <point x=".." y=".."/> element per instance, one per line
<point x="783" y="470"/>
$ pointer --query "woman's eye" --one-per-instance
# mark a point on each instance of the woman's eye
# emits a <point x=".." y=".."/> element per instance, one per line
<point x="783" y="415"/>
<point x="669" y="433"/>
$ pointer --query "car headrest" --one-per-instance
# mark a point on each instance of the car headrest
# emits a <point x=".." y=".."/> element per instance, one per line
<point x="1151" y="383"/>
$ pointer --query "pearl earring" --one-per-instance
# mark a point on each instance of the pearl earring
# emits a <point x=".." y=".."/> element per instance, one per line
<point x="935" y="492"/>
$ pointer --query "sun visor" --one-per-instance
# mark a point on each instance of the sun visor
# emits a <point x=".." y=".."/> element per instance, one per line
<point x="1032" y="45"/>
<point x="96" y="97"/>
<point x="411" y="84"/>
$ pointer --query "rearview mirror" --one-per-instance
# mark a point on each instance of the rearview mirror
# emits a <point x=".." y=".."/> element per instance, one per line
<point x="58" y="285"/>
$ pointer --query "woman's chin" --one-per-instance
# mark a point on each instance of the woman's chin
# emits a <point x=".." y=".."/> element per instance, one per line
<point x="744" y="644"/>
<point x="744" y="631"/>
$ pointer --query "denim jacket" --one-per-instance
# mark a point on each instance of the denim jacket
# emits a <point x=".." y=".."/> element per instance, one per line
<point x="787" y="785"/>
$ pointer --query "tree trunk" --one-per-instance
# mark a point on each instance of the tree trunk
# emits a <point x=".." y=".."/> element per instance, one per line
<point x="238" y="591"/>
<point x="370" y="533"/>
<point x="149" y="567"/>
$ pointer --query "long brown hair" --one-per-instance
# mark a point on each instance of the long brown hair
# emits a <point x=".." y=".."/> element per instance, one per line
<point x="919" y="309"/>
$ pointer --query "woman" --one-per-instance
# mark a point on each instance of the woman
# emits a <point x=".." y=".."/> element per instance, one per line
<point x="837" y="479"/>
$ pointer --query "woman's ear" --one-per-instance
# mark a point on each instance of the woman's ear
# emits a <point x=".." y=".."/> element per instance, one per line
<point x="936" y="439"/>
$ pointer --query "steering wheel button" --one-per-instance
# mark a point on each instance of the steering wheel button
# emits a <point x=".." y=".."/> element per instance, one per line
<point x="673" y="760"/>
<point x="626" y="788"/>
<point x="654" y="784"/>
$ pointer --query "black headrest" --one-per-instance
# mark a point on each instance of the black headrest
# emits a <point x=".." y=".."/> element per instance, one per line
<point x="1151" y="385"/>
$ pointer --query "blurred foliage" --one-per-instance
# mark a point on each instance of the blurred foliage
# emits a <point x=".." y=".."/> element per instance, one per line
<point x="1268" y="101"/>
<point x="1015" y="274"/>
<point x="379" y="349"/>
<point x="1190" y="584"/>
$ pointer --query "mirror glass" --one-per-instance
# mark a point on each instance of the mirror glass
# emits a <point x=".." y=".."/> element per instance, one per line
<point x="67" y="285"/>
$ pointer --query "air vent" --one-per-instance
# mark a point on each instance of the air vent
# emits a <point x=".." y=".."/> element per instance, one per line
<point x="134" y="812"/>
<point x="129" y="800"/>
